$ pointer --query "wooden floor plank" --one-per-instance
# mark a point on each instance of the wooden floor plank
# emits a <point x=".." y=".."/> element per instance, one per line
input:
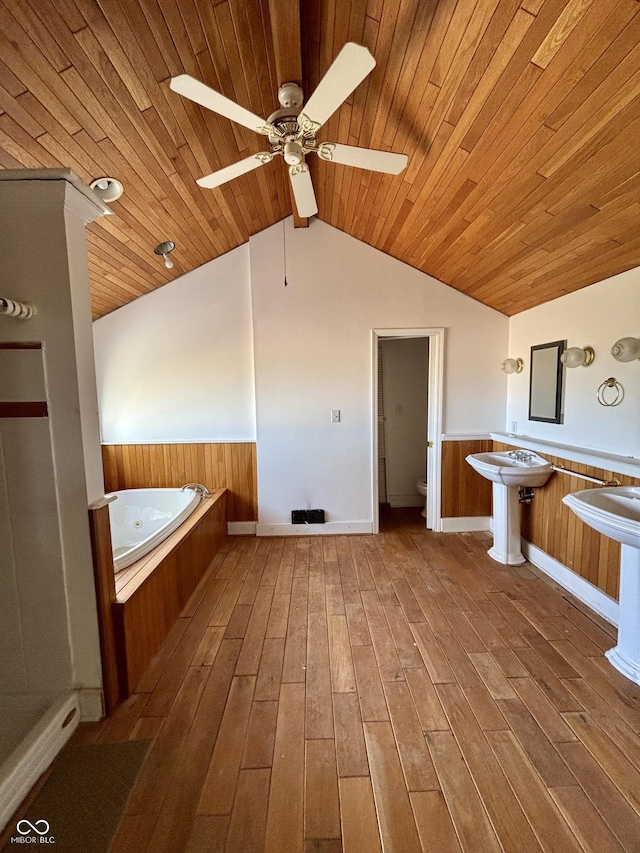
<point x="286" y="797"/>
<point x="417" y="766"/>
<point x="467" y="812"/>
<point x="373" y="705"/>
<point x="430" y="712"/>
<point x="435" y="827"/>
<point x="209" y="834"/>
<point x="552" y="830"/>
<point x="536" y="744"/>
<point x="396" y="693"/>
<point x="270" y="669"/>
<point x="612" y="760"/>
<point x="508" y="820"/>
<point x="618" y="814"/>
<point x="395" y="817"/>
<point x="587" y="825"/>
<point x="249" y="816"/>
<point x="261" y="734"/>
<point x="350" y="747"/>
<point x="220" y="784"/>
<point x="321" y="805"/>
<point x="549" y="720"/>
<point x="343" y="679"/>
<point x="180" y="804"/>
<point x="319" y="717"/>
<point x="358" y="816"/>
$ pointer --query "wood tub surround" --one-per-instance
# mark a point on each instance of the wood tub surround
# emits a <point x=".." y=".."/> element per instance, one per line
<point x="138" y="606"/>
<point x="551" y="526"/>
<point x="102" y="552"/>
<point x="152" y="592"/>
<point x="217" y="465"/>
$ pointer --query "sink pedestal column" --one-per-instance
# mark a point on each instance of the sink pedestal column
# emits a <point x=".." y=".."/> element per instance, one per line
<point x="506" y="526"/>
<point x="625" y="657"/>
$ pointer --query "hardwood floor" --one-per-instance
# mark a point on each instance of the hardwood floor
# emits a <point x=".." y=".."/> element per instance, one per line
<point x="398" y="692"/>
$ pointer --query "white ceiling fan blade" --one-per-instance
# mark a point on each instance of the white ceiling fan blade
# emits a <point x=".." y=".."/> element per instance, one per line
<point x="363" y="158"/>
<point x="303" y="192"/>
<point x="196" y="91"/>
<point x="347" y="71"/>
<point x="235" y="170"/>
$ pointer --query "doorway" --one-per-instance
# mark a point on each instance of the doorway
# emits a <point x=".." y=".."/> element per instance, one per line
<point x="407" y="397"/>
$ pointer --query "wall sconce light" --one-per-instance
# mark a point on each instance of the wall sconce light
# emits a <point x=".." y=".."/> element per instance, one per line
<point x="626" y="349"/>
<point x="164" y="249"/>
<point x="109" y="189"/>
<point x="577" y="357"/>
<point x="512" y="365"/>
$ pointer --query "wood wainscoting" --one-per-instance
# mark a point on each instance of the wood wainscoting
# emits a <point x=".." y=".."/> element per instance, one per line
<point x="151" y="594"/>
<point x="464" y="492"/>
<point x="217" y="465"/>
<point x="551" y="526"/>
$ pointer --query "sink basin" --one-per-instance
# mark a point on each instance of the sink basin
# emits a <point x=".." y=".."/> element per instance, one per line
<point x="510" y="471"/>
<point x="612" y="511"/>
<point x="615" y="512"/>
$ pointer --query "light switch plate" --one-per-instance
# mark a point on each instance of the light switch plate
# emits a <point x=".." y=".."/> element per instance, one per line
<point x="335" y="416"/>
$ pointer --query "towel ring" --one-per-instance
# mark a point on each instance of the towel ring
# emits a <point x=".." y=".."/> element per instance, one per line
<point x="612" y="401"/>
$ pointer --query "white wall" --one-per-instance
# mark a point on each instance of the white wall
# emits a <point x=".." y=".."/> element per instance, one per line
<point x="313" y="353"/>
<point x="595" y="316"/>
<point x="405" y="382"/>
<point x="177" y="364"/>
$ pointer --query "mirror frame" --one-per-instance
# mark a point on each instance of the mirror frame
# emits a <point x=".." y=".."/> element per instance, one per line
<point x="554" y="393"/>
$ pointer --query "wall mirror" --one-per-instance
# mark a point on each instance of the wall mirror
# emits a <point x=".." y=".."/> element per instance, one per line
<point x="545" y="384"/>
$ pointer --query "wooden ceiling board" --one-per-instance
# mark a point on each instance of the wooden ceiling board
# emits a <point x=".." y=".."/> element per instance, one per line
<point x="520" y="119"/>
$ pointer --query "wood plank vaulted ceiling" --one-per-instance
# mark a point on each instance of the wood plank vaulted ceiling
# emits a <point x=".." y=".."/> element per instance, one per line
<point x="520" y="118"/>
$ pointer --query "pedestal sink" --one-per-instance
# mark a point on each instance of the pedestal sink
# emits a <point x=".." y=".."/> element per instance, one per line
<point x="508" y="471"/>
<point x="615" y="512"/>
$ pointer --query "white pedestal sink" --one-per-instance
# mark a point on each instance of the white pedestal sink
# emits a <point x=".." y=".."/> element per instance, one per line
<point x="508" y="471"/>
<point x="615" y="512"/>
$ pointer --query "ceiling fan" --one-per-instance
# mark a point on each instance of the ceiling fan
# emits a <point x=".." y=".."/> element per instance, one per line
<point x="291" y="130"/>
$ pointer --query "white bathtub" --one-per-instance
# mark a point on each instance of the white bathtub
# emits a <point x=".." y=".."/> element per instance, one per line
<point x="142" y="518"/>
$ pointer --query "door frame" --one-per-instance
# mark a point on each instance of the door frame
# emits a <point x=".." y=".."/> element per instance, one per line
<point x="435" y="385"/>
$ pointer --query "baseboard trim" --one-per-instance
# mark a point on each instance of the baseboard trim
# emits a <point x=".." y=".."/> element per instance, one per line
<point x="329" y="528"/>
<point x="241" y="528"/>
<point x="31" y="758"/>
<point x="466" y="524"/>
<point x="586" y="592"/>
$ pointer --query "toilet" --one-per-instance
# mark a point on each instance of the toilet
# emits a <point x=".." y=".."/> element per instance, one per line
<point x="421" y="485"/>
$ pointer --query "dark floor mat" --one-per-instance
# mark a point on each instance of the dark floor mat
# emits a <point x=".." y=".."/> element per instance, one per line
<point x="83" y="800"/>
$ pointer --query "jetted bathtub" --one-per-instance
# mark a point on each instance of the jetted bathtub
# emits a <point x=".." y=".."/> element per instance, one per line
<point x="142" y="518"/>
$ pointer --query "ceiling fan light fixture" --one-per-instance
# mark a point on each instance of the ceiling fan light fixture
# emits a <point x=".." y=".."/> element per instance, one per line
<point x="293" y="153"/>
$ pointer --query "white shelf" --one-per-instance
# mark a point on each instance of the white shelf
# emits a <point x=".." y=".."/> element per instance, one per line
<point x="629" y="465"/>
